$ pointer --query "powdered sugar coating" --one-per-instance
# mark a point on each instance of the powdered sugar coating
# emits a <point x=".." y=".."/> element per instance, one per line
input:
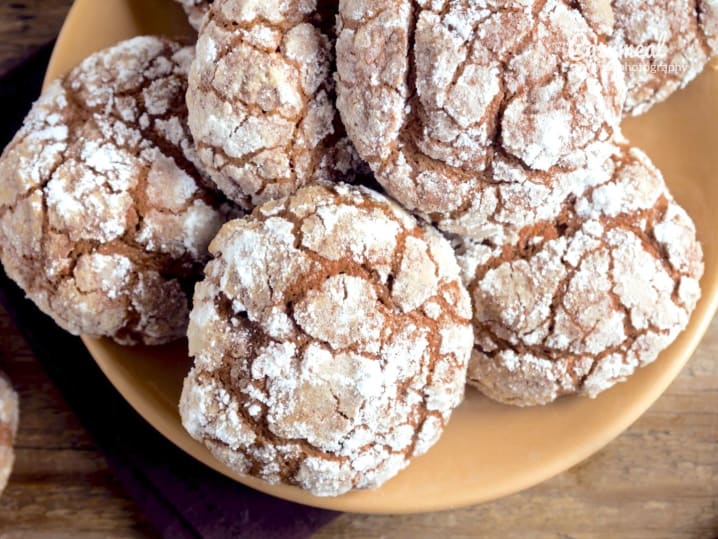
<point x="196" y="10"/>
<point x="664" y="44"/>
<point x="434" y="94"/>
<point x="104" y="218"/>
<point x="9" y="419"/>
<point x="588" y="296"/>
<point x="599" y="15"/>
<point x="261" y="100"/>
<point x="331" y="337"/>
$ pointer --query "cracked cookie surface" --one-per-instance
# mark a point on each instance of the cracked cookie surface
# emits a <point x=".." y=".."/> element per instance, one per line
<point x="331" y="337"/>
<point x="664" y="44"/>
<point x="586" y="297"/>
<point x="261" y="100"/>
<point x="434" y="94"/>
<point x="104" y="217"/>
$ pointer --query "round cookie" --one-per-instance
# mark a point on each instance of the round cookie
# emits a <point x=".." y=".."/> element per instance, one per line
<point x="196" y="10"/>
<point x="104" y="217"/>
<point x="331" y="337"/>
<point x="9" y="418"/>
<point x="433" y="94"/>
<point x="663" y="44"/>
<point x="587" y="297"/>
<point x="261" y="100"/>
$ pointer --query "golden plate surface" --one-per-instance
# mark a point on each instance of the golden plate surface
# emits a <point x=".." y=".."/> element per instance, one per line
<point x="488" y="450"/>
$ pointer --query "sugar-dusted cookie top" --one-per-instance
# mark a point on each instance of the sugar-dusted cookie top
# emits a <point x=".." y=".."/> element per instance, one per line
<point x="331" y="336"/>
<point x="663" y="44"/>
<point x="104" y="216"/>
<point x="588" y="296"/>
<point x="433" y="94"/>
<point x="261" y="100"/>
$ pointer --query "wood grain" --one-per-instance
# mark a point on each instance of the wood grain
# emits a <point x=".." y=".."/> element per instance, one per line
<point x="60" y="486"/>
<point x="27" y="25"/>
<point x="658" y="480"/>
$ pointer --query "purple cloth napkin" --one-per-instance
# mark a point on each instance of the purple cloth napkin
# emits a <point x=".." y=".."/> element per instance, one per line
<point x="181" y="497"/>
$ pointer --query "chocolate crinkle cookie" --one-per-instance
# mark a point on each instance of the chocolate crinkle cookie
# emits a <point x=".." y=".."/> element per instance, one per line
<point x="587" y="297"/>
<point x="435" y="94"/>
<point x="331" y="337"/>
<point x="104" y="216"/>
<point x="9" y="418"/>
<point x="663" y="44"/>
<point x="261" y="100"/>
<point x="196" y="10"/>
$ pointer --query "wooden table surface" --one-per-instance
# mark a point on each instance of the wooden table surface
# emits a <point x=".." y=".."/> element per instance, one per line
<point x="658" y="480"/>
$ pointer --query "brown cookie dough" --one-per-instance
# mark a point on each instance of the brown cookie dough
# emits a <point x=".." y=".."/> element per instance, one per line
<point x="196" y="10"/>
<point x="104" y="217"/>
<point x="261" y="100"/>
<point x="434" y="94"/>
<point x="9" y="418"/>
<point x="663" y="44"/>
<point x="331" y="337"/>
<point x="585" y="298"/>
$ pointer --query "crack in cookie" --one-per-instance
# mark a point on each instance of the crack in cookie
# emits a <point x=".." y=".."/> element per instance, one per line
<point x="261" y="101"/>
<point x="663" y="44"/>
<point x="440" y="97"/>
<point x="105" y="218"/>
<point x="610" y="283"/>
<point x="340" y="344"/>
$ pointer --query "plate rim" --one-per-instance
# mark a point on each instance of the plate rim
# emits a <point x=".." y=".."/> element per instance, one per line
<point x="707" y="307"/>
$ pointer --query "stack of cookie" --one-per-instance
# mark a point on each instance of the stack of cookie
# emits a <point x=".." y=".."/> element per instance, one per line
<point x="384" y="200"/>
<point x="499" y="124"/>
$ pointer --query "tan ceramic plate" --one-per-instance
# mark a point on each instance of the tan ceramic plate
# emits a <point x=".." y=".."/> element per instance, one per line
<point x="488" y="450"/>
